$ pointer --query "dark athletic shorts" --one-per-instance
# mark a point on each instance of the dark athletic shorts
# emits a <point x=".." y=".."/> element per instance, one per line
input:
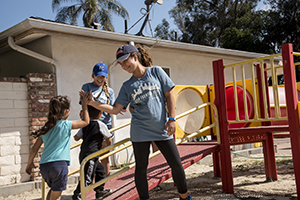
<point x="55" y="174"/>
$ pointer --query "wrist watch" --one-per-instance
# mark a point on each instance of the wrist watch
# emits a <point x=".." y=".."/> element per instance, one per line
<point x="172" y="119"/>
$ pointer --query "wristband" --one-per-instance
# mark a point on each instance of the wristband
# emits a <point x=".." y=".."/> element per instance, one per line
<point x="172" y="119"/>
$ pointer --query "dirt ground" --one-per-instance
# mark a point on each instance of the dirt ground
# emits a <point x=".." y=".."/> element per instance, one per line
<point x="249" y="183"/>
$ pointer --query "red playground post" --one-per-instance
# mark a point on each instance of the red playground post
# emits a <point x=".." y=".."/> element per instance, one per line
<point x="292" y="108"/>
<point x="225" y="155"/>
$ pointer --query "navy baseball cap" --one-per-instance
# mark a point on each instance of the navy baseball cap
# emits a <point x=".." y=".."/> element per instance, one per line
<point x="124" y="51"/>
<point x="100" y="69"/>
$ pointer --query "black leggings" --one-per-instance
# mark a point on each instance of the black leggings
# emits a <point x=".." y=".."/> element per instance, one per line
<point x="169" y="150"/>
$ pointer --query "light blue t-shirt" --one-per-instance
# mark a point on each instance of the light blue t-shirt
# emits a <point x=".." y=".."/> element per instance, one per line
<point x="146" y="95"/>
<point x="105" y="117"/>
<point x="57" y="143"/>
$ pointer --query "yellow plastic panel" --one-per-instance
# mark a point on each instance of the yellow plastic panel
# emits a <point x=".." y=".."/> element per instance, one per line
<point x="186" y="98"/>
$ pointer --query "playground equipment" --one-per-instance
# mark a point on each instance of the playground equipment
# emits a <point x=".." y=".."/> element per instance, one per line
<point x="188" y="97"/>
<point x="252" y="112"/>
<point x="263" y="133"/>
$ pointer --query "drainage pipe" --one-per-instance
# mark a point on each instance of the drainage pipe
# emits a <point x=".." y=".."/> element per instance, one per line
<point x="38" y="56"/>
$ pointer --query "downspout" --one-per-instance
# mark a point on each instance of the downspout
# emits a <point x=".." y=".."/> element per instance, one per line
<point x="38" y="56"/>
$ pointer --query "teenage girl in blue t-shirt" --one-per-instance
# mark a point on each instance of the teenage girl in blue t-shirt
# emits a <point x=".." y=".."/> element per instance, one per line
<point x="149" y="91"/>
<point x="104" y="94"/>
<point x="55" y="135"/>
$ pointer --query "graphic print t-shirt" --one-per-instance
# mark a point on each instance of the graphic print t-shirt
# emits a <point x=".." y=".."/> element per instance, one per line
<point x="105" y="117"/>
<point x="146" y="95"/>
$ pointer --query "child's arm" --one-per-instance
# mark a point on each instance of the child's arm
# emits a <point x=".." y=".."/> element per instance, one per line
<point x="112" y="109"/>
<point x="32" y="154"/>
<point x="105" y="132"/>
<point x="78" y="135"/>
<point x="108" y="141"/>
<point x="76" y="138"/>
<point x="131" y="108"/>
<point x="85" y="115"/>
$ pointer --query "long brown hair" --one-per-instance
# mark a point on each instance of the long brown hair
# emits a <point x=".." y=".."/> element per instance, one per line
<point x="143" y="56"/>
<point x="105" y="89"/>
<point x="57" y="107"/>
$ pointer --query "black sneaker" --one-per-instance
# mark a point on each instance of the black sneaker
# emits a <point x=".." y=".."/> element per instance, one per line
<point x="76" y="197"/>
<point x="188" y="198"/>
<point x="157" y="188"/>
<point x="102" y="193"/>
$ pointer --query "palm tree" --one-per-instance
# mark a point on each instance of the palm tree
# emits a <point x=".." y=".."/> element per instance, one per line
<point x="92" y="11"/>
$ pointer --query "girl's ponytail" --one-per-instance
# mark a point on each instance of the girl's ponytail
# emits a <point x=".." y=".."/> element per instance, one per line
<point x="57" y="107"/>
<point x="105" y="89"/>
<point x="144" y="57"/>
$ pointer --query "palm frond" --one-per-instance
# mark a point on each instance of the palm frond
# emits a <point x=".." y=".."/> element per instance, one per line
<point x="93" y="11"/>
<point x="104" y="18"/>
<point x="68" y="14"/>
<point x="56" y="4"/>
<point x="115" y="7"/>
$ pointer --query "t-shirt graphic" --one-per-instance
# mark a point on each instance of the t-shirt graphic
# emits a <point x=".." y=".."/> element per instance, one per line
<point x="145" y="91"/>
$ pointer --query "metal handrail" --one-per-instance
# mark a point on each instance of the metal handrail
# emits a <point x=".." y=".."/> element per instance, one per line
<point x="85" y="189"/>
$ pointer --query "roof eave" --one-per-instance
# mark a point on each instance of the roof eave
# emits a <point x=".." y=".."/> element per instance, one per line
<point x="37" y="24"/>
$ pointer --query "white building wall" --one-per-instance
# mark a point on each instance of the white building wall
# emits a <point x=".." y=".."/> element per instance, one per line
<point x="14" y="126"/>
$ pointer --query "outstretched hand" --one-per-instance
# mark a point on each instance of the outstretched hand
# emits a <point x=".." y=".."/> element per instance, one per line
<point x="86" y="97"/>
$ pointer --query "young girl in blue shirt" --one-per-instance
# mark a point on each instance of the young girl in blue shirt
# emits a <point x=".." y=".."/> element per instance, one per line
<point x="55" y="135"/>
<point x="149" y="92"/>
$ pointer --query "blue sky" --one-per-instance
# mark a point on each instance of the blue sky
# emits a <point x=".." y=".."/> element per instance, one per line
<point x="13" y="12"/>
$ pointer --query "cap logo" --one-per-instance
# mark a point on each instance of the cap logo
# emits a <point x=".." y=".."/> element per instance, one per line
<point x="101" y="68"/>
<point x="120" y="51"/>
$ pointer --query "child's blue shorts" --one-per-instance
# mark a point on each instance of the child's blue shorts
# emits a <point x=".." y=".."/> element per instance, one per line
<point x="55" y="174"/>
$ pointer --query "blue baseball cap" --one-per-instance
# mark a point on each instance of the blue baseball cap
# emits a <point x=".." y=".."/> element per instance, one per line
<point x="124" y="51"/>
<point x="100" y="69"/>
